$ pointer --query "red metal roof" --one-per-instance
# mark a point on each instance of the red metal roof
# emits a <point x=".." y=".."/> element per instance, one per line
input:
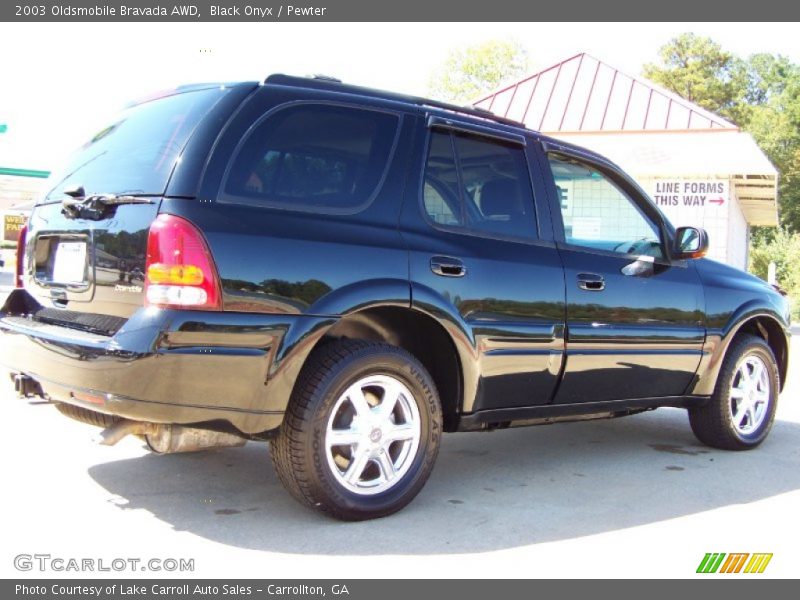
<point x="583" y="93"/>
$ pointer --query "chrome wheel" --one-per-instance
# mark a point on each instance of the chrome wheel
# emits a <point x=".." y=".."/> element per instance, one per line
<point x="740" y="412"/>
<point x="749" y="395"/>
<point x="373" y="435"/>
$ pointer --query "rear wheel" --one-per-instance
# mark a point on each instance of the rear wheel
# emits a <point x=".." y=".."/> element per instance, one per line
<point x="740" y="414"/>
<point x="362" y="431"/>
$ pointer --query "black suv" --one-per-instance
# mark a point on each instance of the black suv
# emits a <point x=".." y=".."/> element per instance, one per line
<point x="347" y="273"/>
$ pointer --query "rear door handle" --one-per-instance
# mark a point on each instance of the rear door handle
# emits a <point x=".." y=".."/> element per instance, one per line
<point x="591" y="282"/>
<point x="447" y="266"/>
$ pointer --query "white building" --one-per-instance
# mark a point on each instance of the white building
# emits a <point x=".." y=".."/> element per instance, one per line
<point x="699" y="168"/>
<point x="20" y="185"/>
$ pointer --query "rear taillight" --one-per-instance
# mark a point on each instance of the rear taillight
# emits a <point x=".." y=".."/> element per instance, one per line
<point x="180" y="272"/>
<point x="23" y="233"/>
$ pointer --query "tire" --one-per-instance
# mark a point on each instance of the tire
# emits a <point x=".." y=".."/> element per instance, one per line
<point x="723" y="422"/>
<point x="84" y="415"/>
<point x="383" y="461"/>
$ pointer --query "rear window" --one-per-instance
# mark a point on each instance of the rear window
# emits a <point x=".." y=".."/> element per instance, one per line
<point x="313" y="157"/>
<point x="135" y="154"/>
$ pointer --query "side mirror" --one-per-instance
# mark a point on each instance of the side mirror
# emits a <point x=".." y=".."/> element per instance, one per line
<point x="690" y="242"/>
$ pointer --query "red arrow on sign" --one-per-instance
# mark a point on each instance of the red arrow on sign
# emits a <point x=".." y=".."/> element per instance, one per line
<point x="718" y="201"/>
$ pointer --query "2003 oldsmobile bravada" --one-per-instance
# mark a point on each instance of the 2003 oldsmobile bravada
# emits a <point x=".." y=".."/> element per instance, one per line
<point x="348" y="273"/>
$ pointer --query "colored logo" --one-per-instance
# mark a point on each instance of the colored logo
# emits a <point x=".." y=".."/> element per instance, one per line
<point x="737" y="562"/>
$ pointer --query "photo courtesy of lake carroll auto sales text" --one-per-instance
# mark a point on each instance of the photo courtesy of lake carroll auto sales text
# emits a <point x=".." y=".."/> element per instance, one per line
<point x="391" y="300"/>
<point x="180" y="590"/>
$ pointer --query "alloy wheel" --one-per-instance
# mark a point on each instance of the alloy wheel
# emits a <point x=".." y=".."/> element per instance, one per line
<point x="749" y="395"/>
<point x="373" y="435"/>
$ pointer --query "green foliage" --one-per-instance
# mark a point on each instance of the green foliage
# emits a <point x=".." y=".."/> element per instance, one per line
<point x="767" y="76"/>
<point x="784" y="249"/>
<point x="469" y="72"/>
<point x="775" y="125"/>
<point x="761" y="94"/>
<point x="698" y="69"/>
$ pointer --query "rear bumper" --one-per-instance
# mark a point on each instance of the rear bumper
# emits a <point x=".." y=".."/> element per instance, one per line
<point x="162" y="366"/>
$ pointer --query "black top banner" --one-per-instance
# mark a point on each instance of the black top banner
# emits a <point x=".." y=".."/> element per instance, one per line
<point x="398" y="10"/>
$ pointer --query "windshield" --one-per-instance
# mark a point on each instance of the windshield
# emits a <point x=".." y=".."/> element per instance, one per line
<point x="135" y="153"/>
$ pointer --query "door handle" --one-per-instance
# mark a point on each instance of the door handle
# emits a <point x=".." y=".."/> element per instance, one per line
<point x="447" y="266"/>
<point x="591" y="282"/>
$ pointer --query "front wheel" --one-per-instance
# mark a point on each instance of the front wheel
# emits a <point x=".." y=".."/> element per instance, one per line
<point x="361" y="432"/>
<point x="740" y="414"/>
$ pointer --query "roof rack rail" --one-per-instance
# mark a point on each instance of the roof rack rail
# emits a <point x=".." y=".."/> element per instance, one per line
<point x="323" y="77"/>
<point x="482" y="110"/>
<point x="469" y="110"/>
<point x="331" y="83"/>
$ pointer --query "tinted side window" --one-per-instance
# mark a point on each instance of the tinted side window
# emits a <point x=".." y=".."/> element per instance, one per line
<point x="598" y="214"/>
<point x="314" y="156"/>
<point x="441" y="194"/>
<point x="478" y="184"/>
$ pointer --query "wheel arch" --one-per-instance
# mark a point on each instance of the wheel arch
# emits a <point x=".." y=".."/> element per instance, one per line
<point x="422" y="336"/>
<point x="770" y="330"/>
<point x="381" y="310"/>
<point x="752" y="319"/>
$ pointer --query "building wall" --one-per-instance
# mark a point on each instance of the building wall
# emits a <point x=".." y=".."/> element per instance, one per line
<point x="593" y="209"/>
<point x="590" y="208"/>
<point x="15" y="191"/>
<point x="688" y="202"/>
<point x="738" y="235"/>
<point x="707" y="203"/>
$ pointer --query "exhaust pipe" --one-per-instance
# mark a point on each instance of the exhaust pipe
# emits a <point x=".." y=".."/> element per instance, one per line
<point x="26" y="386"/>
<point x="170" y="439"/>
<point x="111" y="435"/>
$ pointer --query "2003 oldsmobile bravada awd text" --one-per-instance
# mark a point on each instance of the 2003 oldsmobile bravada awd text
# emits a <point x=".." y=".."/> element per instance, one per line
<point x="348" y="273"/>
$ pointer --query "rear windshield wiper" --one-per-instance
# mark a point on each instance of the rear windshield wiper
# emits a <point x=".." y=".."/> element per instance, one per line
<point x="96" y="206"/>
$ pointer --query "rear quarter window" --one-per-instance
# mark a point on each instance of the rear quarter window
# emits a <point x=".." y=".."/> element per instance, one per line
<point x="478" y="184"/>
<point x="322" y="158"/>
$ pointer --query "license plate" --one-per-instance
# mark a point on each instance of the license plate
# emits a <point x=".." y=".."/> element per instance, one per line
<point x="70" y="263"/>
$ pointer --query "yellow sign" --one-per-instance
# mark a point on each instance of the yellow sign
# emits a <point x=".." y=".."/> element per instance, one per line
<point x="12" y="225"/>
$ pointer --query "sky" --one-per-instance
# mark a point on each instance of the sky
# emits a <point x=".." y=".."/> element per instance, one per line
<point x="60" y="82"/>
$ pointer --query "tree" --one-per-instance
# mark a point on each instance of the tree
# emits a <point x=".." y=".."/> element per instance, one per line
<point x="776" y="128"/>
<point x="761" y="94"/>
<point x="784" y="250"/>
<point x="698" y="69"/>
<point x="768" y="76"/>
<point x="469" y="72"/>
